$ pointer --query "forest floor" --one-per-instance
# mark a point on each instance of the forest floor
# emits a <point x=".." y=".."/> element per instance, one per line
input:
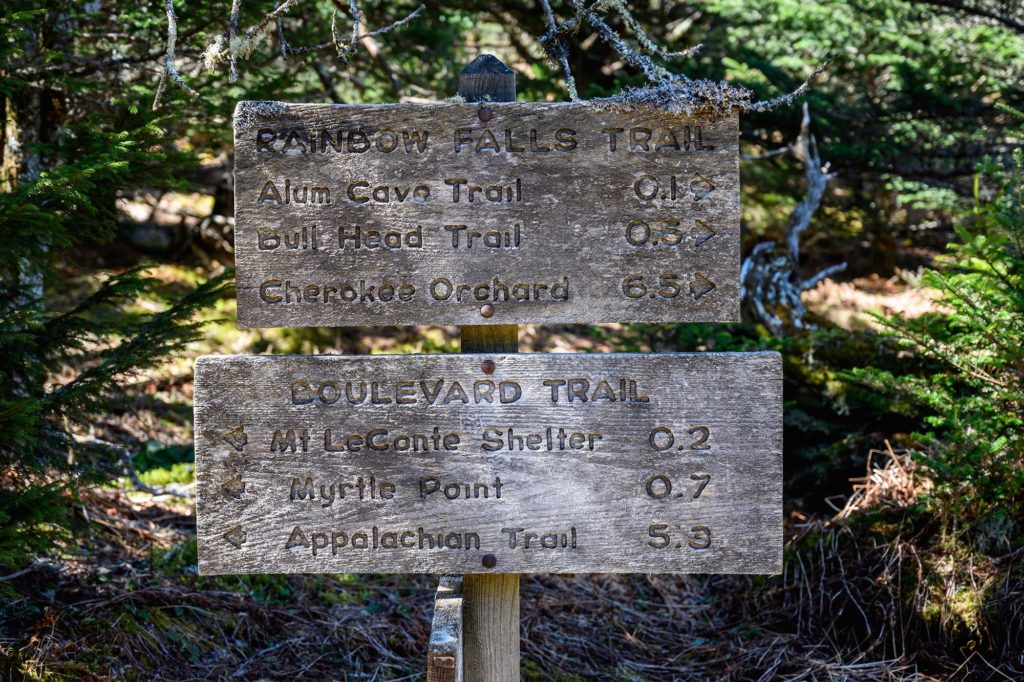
<point x="128" y="604"/>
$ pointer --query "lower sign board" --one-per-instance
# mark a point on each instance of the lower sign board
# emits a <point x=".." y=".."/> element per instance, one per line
<point x="564" y="463"/>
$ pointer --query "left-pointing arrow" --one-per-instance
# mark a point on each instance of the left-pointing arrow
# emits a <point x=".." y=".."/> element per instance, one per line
<point x="236" y="536"/>
<point x="234" y="486"/>
<point x="236" y="437"/>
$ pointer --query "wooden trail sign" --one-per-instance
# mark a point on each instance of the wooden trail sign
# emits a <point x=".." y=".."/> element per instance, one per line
<point x="485" y="213"/>
<point x="660" y="463"/>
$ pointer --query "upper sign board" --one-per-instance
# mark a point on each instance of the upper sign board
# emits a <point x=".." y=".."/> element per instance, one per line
<point x="495" y="213"/>
<point x="628" y="463"/>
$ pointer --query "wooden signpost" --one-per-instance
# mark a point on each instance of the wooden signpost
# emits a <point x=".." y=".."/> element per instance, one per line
<point x="487" y="213"/>
<point x="625" y="463"/>
<point x="484" y="214"/>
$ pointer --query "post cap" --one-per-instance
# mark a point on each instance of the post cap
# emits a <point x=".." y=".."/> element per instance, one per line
<point x="485" y="63"/>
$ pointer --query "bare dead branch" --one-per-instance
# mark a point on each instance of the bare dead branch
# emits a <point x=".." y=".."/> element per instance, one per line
<point x="283" y="42"/>
<point x="243" y="46"/>
<point x="232" y="46"/>
<point x="343" y="49"/>
<point x="770" y="286"/>
<point x="160" y="89"/>
<point x="645" y="41"/>
<point x="356" y="20"/>
<point x="789" y="98"/>
<point x="766" y="155"/>
<point x="397" y="24"/>
<point x="170" y="70"/>
<point x="806" y="150"/>
<point x="232" y="36"/>
<point x="558" y="50"/>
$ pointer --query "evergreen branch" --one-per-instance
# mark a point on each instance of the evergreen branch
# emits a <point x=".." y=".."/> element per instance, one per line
<point x="972" y="308"/>
<point x="942" y="353"/>
<point x="969" y="368"/>
<point x="114" y="289"/>
<point x="164" y="333"/>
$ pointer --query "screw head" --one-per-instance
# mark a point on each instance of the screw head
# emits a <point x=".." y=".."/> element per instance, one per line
<point x="487" y="310"/>
<point x="487" y="366"/>
<point x="489" y="561"/>
<point x="485" y="114"/>
<point x="444" y="661"/>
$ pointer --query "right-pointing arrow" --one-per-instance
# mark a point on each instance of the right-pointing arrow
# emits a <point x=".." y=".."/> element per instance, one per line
<point x="700" y="286"/>
<point x="701" y="187"/>
<point x="701" y="232"/>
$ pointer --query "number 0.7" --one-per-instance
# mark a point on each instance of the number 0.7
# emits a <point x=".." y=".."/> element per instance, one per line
<point x="633" y="286"/>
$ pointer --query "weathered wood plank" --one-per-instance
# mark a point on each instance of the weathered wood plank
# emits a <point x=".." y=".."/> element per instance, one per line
<point x="624" y="462"/>
<point x="484" y="214"/>
<point x="491" y="627"/>
<point x="444" y="652"/>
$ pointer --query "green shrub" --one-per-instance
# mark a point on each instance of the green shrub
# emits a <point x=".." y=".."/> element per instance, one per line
<point x="971" y="385"/>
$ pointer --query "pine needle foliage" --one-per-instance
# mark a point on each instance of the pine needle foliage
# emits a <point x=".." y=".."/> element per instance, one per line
<point x="69" y="338"/>
<point x="971" y="386"/>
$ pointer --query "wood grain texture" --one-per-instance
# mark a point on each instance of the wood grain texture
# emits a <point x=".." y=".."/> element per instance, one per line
<point x="600" y="498"/>
<point x="492" y="648"/>
<point x="548" y="221"/>
<point x="498" y="338"/>
<point x="486" y="78"/>
<point x="491" y="606"/>
<point x="444" y="651"/>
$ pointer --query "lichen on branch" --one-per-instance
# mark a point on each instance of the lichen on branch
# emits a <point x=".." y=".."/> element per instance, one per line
<point x="664" y="89"/>
<point x="233" y="46"/>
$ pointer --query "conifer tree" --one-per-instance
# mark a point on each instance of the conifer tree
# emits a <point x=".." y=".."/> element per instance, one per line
<point x="969" y="378"/>
<point x="68" y="340"/>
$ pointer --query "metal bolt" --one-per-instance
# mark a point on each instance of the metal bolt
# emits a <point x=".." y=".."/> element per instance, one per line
<point x="485" y="114"/>
<point x="487" y="310"/>
<point x="487" y="366"/>
<point x="490" y="561"/>
<point x="444" y="661"/>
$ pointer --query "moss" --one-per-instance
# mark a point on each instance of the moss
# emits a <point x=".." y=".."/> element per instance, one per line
<point x="183" y="473"/>
<point x="176" y="560"/>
